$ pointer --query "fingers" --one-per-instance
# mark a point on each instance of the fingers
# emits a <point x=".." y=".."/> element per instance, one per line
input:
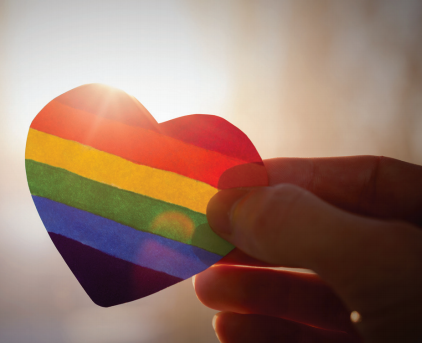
<point x="241" y="328"/>
<point x="237" y="257"/>
<point x="286" y="225"/>
<point x="369" y="185"/>
<point x="298" y="297"/>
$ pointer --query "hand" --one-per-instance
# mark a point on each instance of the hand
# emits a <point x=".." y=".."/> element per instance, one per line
<point x="354" y="221"/>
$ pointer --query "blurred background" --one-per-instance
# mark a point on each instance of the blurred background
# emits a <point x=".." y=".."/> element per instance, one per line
<point x="300" y="78"/>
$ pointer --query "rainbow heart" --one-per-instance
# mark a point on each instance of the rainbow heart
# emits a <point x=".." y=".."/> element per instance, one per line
<point x="123" y="198"/>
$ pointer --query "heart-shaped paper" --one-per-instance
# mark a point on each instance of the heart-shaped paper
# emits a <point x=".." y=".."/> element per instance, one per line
<point x="123" y="198"/>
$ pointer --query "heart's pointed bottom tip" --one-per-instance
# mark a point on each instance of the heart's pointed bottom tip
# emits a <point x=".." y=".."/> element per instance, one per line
<point x="110" y="281"/>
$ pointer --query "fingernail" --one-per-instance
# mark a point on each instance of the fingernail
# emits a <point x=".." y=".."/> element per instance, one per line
<point x="193" y="281"/>
<point x="214" y="321"/>
<point x="220" y="208"/>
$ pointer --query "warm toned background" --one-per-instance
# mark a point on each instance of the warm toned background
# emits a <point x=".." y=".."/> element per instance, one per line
<point x="300" y="78"/>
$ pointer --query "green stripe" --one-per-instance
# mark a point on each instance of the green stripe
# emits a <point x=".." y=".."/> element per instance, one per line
<point x="128" y="208"/>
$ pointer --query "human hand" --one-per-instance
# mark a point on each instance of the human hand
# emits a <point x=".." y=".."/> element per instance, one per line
<point x="354" y="221"/>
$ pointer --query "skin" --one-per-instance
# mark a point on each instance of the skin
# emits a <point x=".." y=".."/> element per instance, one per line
<point x="354" y="221"/>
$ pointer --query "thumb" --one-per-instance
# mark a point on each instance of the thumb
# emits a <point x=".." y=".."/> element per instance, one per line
<point x="288" y="226"/>
<point x="372" y="265"/>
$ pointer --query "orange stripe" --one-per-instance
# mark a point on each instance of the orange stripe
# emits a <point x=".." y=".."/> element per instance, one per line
<point x="117" y="172"/>
<point x="143" y="146"/>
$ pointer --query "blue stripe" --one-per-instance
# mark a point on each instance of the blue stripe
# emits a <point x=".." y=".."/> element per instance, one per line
<point x="142" y="248"/>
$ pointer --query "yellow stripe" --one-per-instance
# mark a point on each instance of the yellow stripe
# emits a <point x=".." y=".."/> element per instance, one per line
<point x="118" y="172"/>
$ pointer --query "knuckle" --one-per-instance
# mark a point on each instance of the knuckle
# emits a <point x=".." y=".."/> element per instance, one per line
<point x="288" y="200"/>
<point x="276" y="206"/>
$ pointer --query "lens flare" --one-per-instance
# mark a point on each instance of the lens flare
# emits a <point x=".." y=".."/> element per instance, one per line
<point x="176" y="224"/>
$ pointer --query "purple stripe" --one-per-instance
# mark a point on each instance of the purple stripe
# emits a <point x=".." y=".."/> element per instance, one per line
<point x="142" y="248"/>
<point x="109" y="280"/>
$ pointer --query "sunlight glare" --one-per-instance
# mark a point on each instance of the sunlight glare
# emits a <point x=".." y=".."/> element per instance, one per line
<point x="138" y="52"/>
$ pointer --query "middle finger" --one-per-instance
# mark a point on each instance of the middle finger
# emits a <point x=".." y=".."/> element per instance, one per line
<point x="300" y="297"/>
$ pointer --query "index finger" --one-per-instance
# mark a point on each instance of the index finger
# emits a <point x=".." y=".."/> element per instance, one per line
<point x="376" y="186"/>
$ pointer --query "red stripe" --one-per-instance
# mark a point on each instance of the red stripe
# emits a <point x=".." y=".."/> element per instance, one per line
<point x="206" y="131"/>
<point x="141" y="146"/>
<point x="109" y="103"/>
<point x="212" y="133"/>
